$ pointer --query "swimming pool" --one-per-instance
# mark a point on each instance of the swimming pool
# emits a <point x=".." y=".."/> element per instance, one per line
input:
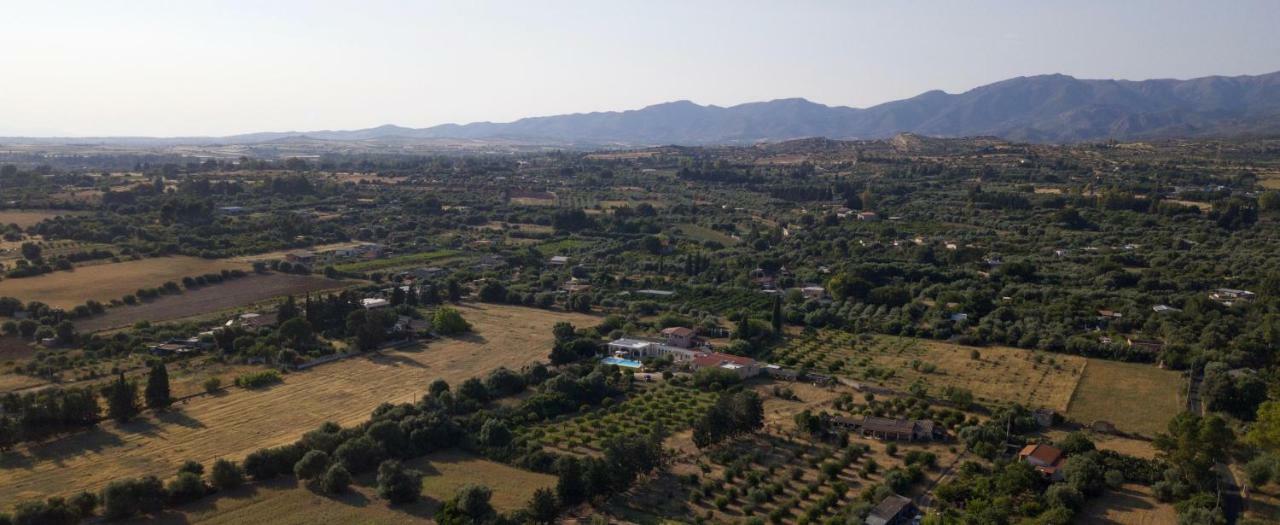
<point x="621" y="362"/>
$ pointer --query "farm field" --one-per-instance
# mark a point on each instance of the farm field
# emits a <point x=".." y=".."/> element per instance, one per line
<point x="104" y="282"/>
<point x="26" y="218"/>
<point x="1000" y="374"/>
<point x="392" y="262"/>
<point x="703" y="233"/>
<point x="285" y="501"/>
<point x="518" y="226"/>
<point x="239" y="422"/>
<point x="212" y="298"/>
<point x="675" y="407"/>
<point x="447" y="471"/>
<point x="1134" y="397"/>
<point x="766" y="475"/>
<point x="1131" y="505"/>
<point x="279" y="254"/>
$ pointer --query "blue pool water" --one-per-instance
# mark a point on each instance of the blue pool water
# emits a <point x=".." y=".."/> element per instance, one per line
<point x="621" y="362"/>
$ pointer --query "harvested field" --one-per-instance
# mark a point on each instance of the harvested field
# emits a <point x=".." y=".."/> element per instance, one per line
<point x="239" y="422"/>
<point x="229" y="294"/>
<point x="1134" y="397"/>
<point x="999" y="374"/>
<point x="449" y="470"/>
<point x="284" y="501"/>
<point x="104" y="282"/>
<point x="25" y="218"/>
<point x="1131" y="505"/>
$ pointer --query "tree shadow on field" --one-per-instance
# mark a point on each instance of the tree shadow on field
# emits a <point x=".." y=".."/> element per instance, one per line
<point x="95" y="440"/>
<point x="177" y="417"/>
<point x="395" y="360"/>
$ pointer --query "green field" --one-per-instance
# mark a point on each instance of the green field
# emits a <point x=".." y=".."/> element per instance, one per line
<point x="703" y="233"/>
<point x="395" y="262"/>
<point x="1135" y="397"/>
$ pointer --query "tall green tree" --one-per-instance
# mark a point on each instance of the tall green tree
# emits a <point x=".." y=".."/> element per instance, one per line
<point x="122" y="400"/>
<point x="157" y="391"/>
<point x="777" y="316"/>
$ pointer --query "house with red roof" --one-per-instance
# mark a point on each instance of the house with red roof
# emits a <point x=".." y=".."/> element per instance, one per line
<point x="1047" y="460"/>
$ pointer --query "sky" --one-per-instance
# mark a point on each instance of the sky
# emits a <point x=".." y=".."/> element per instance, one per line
<point x="210" y="68"/>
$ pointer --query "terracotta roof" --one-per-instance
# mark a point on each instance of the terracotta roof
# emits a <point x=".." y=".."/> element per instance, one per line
<point x="678" y="331"/>
<point x="1041" y="452"/>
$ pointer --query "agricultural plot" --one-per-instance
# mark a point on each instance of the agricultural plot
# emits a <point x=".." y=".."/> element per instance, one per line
<point x="794" y="480"/>
<point x="395" y="262"/>
<point x="561" y="246"/>
<point x="239" y="422"/>
<point x="997" y="375"/>
<point x="234" y="293"/>
<point x="27" y="218"/>
<point x="285" y="501"/>
<point x="675" y="408"/>
<point x="725" y="301"/>
<point x="703" y="234"/>
<point x="449" y="470"/>
<point x="1134" y="397"/>
<point x="1131" y="505"/>
<point x="104" y="282"/>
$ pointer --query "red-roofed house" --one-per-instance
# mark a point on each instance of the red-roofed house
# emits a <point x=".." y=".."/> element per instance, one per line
<point x="743" y="366"/>
<point x="680" y="336"/>
<point x="1046" y="459"/>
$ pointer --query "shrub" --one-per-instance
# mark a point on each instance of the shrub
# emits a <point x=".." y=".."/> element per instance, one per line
<point x="226" y="475"/>
<point x="335" y="480"/>
<point x="259" y="379"/>
<point x="397" y="484"/>
<point x="186" y="487"/>
<point x="313" y="464"/>
<point x="212" y="385"/>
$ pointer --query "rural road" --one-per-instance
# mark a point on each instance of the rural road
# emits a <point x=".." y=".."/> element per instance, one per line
<point x="1228" y="488"/>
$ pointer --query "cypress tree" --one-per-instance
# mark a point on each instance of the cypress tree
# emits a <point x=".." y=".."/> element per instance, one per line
<point x="777" y="316"/>
<point x="157" y="392"/>
<point x="122" y="400"/>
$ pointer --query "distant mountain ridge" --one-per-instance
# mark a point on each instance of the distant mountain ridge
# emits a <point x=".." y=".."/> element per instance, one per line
<point x="1042" y="108"/>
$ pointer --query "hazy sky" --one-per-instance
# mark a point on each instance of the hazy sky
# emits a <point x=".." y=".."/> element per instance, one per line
<point x="191" y="67"/>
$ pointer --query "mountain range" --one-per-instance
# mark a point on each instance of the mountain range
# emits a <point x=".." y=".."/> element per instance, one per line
<point x="1043" y="108"/>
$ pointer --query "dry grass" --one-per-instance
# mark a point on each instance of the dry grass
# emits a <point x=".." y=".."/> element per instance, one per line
<point x="104" y="282"/>
<point x="25" y="218"/>
<point x="532" y="201"/>
<point x="1131" y="447"/>
<point x="229" y="294"/>
<point x="285" y="501"/>
<point x="235" y="424"/>
<point x="1134" y="397"/>
<point x="1131" y="505"/>
<point x="448" y="471"/>
<point x="1000" y="374"/>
